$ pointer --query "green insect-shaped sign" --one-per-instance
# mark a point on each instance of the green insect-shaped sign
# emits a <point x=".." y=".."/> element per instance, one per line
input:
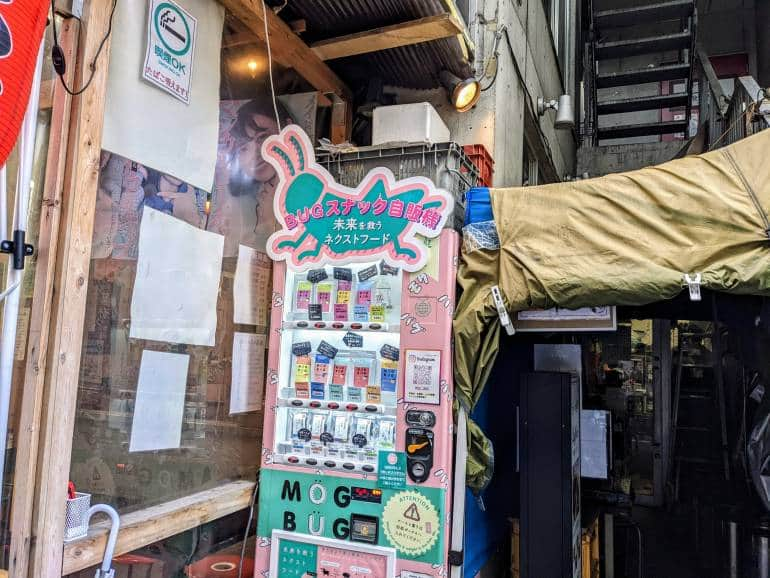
<point x="323" y="222"/>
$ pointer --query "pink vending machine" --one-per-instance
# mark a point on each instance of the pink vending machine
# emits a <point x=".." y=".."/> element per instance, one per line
<point x="357" y="447"/>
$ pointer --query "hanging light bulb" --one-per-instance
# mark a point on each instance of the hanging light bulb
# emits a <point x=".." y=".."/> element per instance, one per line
<point x="252" y="66"/>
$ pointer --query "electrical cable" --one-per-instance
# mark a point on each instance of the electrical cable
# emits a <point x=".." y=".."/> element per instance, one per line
<point x="254" y="497"/>
<point x="270" y="66"/>
<point x="496" y="56"/>
<point x="57" y="54"/>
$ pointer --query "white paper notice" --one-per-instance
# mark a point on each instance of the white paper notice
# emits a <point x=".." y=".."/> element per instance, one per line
<point x="177" y="281"/>
<point x="148" y="125"/>
<point x="422" y="383"/>
<point x="248" y="379"/>
<point x="159" y="405"/>
<point x="250" y="290"/>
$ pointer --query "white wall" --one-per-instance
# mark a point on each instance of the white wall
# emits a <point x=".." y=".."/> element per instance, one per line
<point x="497" y="120"/>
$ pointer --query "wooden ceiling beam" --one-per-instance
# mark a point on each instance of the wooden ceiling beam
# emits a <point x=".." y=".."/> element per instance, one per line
<point x="287" y="48"/>
<point x="403" y="34"/>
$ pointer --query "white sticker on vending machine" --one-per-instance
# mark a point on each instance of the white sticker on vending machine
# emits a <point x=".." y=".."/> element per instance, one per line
<point x="422" y="383"/>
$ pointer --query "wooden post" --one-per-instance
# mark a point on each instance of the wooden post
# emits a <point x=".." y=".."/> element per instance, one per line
<point x="387" y="37"/>
<point x="73" y="260"/>
<point x="342" y="121"/>
<point x="40" y="315"/>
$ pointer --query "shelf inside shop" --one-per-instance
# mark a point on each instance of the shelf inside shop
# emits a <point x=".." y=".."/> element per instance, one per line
<point x="352" y="407"/>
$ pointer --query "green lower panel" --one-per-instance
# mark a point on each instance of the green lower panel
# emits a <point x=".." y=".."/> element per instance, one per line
<point x="409" y="520"/>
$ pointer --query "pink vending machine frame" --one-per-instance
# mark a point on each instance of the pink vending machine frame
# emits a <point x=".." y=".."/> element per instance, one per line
<point x="427" y="306"/>
<point x="356" y="468"/>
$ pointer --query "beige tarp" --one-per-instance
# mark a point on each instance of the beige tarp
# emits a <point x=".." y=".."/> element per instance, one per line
<point x="622" y="239"/>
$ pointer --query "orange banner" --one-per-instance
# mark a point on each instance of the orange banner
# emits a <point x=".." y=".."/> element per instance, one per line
<point x="21" y="29"/>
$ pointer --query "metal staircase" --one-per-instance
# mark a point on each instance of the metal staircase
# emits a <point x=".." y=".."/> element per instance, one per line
<point x="630" y="48"/>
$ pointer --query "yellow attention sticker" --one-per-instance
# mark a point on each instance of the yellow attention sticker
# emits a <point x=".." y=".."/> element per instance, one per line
<point x="411" y="523"/>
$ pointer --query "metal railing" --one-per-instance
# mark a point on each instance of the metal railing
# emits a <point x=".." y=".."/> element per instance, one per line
<point x="728" y="120"/>
<point x="589" y="125"/>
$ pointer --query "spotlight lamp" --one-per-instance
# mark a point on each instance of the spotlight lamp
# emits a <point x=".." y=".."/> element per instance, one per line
<point x="565" y="116"/>
<point x="463" y="93"/>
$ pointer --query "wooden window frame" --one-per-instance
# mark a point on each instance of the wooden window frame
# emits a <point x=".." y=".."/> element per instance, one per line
<point x="53" y="96"/>
<point x="61" y="285"/>
<point x="149" y="525"/>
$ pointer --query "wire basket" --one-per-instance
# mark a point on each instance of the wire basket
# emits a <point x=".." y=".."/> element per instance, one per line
<point x="77" y="517"/>
<point x="446" y="164"/>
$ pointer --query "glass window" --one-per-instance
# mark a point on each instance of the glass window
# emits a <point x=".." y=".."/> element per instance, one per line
<point x="220" y="438"/>
<point x="213" y="549"/>
<point x="559" y="16"/>
<point x="530" y="174"/>
<point x="621" y="379"/>
<point x="27" y="285"/>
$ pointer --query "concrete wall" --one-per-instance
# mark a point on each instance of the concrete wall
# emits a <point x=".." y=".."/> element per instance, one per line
<point x="762" y="20"/>
<point x="729" y="27"/>
<point x="497" y="120"/>
<point x="603" y="160"/>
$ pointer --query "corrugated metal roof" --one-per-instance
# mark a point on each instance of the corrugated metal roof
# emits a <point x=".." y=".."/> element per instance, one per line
<point x="330" y="18"/>
<point x="415" y="66"/>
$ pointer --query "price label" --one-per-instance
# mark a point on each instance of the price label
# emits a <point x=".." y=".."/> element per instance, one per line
<point x="328" y="350"/>
<point x="353" y="339"/>
<point x="389" y="352"/>
<point x="367" y="273"/>
<point x="301" y="348"/>
<point x="386" y="269"/>
<point x="317" y="275"/>
<point x="343" y="274"/>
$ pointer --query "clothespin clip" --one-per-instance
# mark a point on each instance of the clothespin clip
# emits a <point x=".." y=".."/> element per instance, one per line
<point x="693" y="284"/>
<point x="505" y="319"/>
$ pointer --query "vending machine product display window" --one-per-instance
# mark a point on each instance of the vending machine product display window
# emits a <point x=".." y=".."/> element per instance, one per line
<point x="337" y="403"/>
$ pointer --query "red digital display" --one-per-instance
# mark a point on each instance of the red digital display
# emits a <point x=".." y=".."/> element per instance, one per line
<point x="373" y="496"/>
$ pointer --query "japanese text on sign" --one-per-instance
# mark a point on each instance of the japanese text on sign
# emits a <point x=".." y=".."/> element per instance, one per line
<point x="168" y="61"/>
<point x="324" y="222"/>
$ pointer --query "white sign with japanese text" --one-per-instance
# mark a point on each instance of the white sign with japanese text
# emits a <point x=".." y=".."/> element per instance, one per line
<point x="422" y="383"/>
<point x="168" y="61"/>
